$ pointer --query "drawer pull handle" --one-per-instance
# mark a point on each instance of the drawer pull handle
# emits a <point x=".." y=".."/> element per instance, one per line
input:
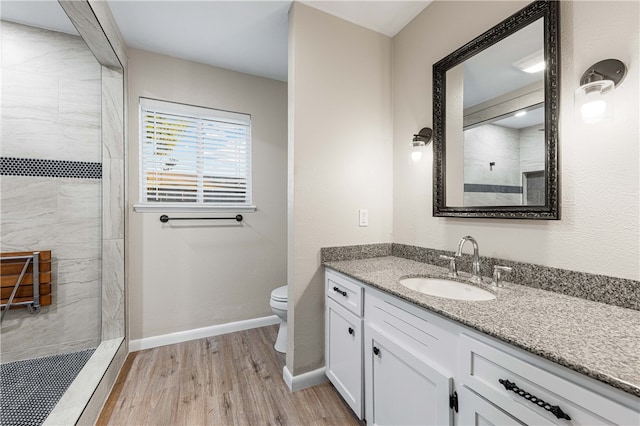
<point x="351" y="331"/>
<point x="337" y="290"/>
<point x="554" y="409"/>
<point x="376" y="351"/>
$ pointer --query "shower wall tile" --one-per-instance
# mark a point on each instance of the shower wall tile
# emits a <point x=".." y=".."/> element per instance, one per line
<point x="83" y="271"/>
<point x="80" y="295"/>
<point x="79" y="115"/>
<point x="33" y="133"/>
<point x="26" y="49"/>
<point x="532" y="149"/>
<point x="11" y="355"/>
<point x="112" y="73"/>
<point x="113" y="289"/>
<point x="84" y="92"/>
<point x="72" y="319"/>
<point x="491" y="143"/>
<point x="26" y="197"/>
<point x="50" y="96"/>
<point x="508" y="200"/>
<point x="113" y="303"/>
<point x="113" y="199"/>
<point x="41" y="89"/>
<point x="68" y="240"/>
<point x="78" y="230"/>
<point x="82" y="141"/>
<point x="112" y="114"/>
<point x="491" y="199"/>
<point x="79" y="198"/>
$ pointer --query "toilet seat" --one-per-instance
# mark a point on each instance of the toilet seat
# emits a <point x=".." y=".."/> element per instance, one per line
<point x="279" y="294"/>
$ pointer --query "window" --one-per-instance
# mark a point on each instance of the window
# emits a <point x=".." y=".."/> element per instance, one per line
<point x="194" y="156"/>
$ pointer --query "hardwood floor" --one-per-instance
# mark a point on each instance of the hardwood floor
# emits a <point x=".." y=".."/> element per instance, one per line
<point x="233" y="379"/>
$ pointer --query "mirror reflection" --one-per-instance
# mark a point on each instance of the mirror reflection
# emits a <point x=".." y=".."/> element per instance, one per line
<point x="495" y="132"/>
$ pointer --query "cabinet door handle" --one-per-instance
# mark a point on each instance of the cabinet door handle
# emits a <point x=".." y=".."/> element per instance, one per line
<point x="554" y="409"/>
<point x="351" y="331"/>
<point x="337" y="290"/>
<point x="376" y="351"/>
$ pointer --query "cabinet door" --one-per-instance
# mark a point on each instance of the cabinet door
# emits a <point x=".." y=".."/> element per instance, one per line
<point x="402" y="388"/>
<point x="477" y="411"/>
<point x="343" y="355"/>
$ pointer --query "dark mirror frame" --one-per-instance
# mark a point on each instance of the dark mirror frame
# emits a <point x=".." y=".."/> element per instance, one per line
<point x="549" y="11"/>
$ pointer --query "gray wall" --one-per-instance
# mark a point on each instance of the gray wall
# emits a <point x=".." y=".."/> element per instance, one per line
<point x="188" y="275"/>
<point x="599" y="164"/>
<point x="340" y="159"/>
<point x="51" y="109"/>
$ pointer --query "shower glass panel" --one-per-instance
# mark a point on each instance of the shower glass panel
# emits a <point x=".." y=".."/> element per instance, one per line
<point x="50" y="199"/>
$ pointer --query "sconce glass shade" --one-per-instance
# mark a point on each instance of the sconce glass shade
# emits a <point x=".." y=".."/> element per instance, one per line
<point x="594" y="97"/>
<point x="417" y="147"/>
<point x="594" y="100"/>
<point x="420" y="140"/>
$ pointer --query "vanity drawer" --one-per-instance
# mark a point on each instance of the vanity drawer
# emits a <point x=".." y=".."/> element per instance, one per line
<point x="344" y="291"/>
<point x="483" y="367"/>
<point x="422" y="334"/>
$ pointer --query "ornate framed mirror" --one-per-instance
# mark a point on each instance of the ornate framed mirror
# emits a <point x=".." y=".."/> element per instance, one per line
<point x="495" y="121"/>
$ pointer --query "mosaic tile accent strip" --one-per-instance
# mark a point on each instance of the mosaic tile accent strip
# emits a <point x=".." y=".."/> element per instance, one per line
<point x="12" y="166"/>
<point x="30" y="389"/>
<point x="500" y="189"/>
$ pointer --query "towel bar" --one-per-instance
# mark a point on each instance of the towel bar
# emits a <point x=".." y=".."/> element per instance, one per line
<point x="164" y="218"/>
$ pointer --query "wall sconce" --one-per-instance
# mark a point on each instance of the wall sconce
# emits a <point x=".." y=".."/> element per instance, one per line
<point x="421" y="139"/>
<point x="594" y="96"/>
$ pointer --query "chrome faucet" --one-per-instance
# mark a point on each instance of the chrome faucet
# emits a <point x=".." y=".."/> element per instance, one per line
<point x="475" y="269"/>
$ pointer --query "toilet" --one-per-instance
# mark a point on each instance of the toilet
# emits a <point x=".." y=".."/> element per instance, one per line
<point x="278" y="304"/>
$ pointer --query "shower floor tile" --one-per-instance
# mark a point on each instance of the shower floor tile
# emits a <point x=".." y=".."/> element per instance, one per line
<point x="30" y="389"/>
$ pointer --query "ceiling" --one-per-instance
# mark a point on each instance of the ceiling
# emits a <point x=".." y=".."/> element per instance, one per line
<point x="46" y="14"/>
<point x="241" y="35"/>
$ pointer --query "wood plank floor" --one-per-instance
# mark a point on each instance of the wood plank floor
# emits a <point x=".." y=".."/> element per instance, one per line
<point x="233" y="379"/>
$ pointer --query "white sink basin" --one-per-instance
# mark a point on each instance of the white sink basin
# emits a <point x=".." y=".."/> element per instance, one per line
<point x="447" y="289"/>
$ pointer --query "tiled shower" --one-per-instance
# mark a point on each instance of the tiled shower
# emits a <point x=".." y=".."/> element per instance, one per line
<point x="51" y="185"/>
<point x="61" y="186"/>
<point x="497" y="159"/>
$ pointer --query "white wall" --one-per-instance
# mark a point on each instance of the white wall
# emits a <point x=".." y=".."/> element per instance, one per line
<point x="187" y="275"/>
<point x="599" y="164"/>
<point x="340" y="159"/>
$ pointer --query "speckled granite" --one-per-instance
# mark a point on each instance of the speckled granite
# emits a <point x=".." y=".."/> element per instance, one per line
<point x="599" y="288"/>
<point x="595" y="339"/>
<point x="330" y="254"/>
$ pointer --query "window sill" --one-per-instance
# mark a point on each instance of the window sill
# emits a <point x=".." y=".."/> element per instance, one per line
<point x="144" y="208"/>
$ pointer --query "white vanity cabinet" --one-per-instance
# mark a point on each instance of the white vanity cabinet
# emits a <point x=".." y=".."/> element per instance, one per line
<point x="408" y="377"/>
<point x="478" y="411"/>
<point x="343" y="338"/>
<point x="402" y="387"/>
<point x="533" y="390"/>
<point x="415" y="367"/>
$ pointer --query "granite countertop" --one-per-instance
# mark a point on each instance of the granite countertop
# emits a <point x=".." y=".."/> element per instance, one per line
<point x="599" y="340"/>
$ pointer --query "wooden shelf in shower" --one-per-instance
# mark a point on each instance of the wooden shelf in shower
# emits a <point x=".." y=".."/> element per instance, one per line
<point x="10" y="272"/>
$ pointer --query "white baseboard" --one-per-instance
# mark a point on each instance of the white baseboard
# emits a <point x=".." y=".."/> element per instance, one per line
<point x="199" y="333"/>
<point x="305" y="380"/>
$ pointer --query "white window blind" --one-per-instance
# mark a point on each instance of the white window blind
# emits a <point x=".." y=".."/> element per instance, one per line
<point x="194" y="156"/>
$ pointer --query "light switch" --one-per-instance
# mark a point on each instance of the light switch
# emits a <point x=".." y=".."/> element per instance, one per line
<point x="364" y="217"/>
